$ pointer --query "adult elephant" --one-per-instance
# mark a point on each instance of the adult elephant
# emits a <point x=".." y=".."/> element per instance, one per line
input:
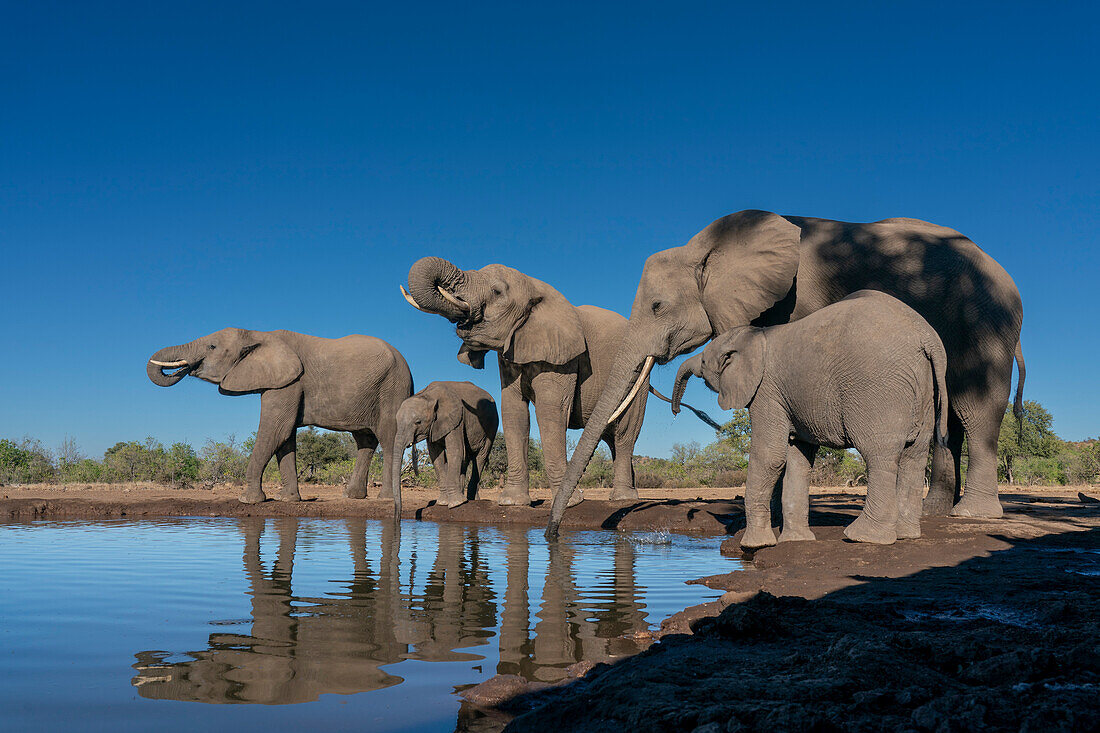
<point x="550" y="353"/>
<point x="355" y="383"/>
<point x="759" y="268"/>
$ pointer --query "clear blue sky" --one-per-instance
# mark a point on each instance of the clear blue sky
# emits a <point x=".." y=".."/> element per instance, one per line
<point x="169" y="169"/>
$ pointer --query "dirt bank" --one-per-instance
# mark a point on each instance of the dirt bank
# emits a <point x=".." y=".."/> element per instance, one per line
<point x="707" y="511"/>
<point x="978" y="625"/>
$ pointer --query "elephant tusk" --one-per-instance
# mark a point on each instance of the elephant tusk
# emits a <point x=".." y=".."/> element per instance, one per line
<point x="168" y="364"/>
<point x="646" y="368"/>
<point x="409" y="298"/>
<point x="452" y="299"/>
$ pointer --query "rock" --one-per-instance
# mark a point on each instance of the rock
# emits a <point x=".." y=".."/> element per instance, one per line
<point x="580" y="669"/>
<point x="502" y="687"/>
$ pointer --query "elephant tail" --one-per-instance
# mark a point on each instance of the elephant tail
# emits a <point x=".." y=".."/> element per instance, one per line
<point x="698" y="413"/>
<point x="938" y="357"/>
<point x="1018" y="405"/>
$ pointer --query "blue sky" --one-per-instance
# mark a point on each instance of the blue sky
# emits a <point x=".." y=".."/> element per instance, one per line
<point x="167" y="170"/>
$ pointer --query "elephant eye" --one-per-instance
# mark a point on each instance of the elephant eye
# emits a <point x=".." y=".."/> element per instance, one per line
<point x="656" y="306"/>
<point x="212" y="347"/>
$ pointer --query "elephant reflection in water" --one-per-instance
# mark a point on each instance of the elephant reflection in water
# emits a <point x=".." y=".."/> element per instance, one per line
<point x="302" y="647"/>
<point x="569" y="629"/>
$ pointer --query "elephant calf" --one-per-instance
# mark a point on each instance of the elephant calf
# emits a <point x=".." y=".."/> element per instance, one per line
<point x="459" y="422"/>
<point x="862" y="373"/>
<point x="354" y="383"/>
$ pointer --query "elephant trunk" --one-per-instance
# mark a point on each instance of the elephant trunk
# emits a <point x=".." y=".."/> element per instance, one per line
<point x="430" y="275"/>
<point x="628" y="366"/>
<point x="692" y="367"/>
<point x="405" y="437"/>
<point x="182" y="359"/>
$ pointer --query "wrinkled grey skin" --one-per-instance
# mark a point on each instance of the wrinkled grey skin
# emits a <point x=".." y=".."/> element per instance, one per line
<point x="758" y="268"/>
<point x="354" y="383"/>
<point x="459" y="422"/>
<point x="550" y="353"/>
<point x="866" y="373"/>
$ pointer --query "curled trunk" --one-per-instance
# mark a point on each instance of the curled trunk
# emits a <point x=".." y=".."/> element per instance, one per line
<point x="693" y="367"/>
<point x="624" y="373"/>
<point x="170" y="355"/>
<point x="427" y="275"/>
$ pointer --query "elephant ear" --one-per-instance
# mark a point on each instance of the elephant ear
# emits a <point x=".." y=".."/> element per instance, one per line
<point x="472" y="357"/>
<point x="448" y="415"/>
<point x="740" y="367"/>
<point x="551" y="331"/>
<point x="746" y="263"/>
<point x="266" y="363"/>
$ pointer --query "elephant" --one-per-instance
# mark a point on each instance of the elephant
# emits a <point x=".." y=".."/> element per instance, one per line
<point x="459" y="422"/>
<point x="354" y="383"/>
<point x="550" y="352"/>
<point x="759" y="268"/>
<point x="866" y="373"/>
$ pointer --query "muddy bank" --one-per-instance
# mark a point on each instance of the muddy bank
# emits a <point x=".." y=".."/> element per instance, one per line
<point x="978" y="625"/>
<point x="708" y="511"/>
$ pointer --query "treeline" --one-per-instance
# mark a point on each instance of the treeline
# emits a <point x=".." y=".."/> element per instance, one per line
<point x="322" y="457"/>
<point x="1029" y="451"/>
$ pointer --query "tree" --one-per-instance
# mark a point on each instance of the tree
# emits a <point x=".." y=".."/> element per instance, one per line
<point x="1032" y="436"/>
<point x="737" y="431"/>
<point x="317" y="451"/>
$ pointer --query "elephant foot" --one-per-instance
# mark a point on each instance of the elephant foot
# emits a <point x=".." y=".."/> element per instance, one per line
<point x="870" y="531"/>
<point x="799" y="534"/>
<point x="356" y="493"/>
<point x="755" y="537"/>
<point x="908" y="530"/>
<point x="384" y="494"/>
<point x="624" y="493"/>
<point x="979" y="506"/>
<point x="253" y="497"/>
<point x="290" y="497"/>
<point x="938" y="502"/>
<point x="515" y="496"/>
<point x="576" y="498"/>
<point x="451" y="499"/>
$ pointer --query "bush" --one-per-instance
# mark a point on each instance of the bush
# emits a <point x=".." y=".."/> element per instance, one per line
<point x="730" y="478"/>
<point x="648" y="481"/>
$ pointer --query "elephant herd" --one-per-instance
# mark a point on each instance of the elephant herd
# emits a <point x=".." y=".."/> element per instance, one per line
<point x="883" y="337"/>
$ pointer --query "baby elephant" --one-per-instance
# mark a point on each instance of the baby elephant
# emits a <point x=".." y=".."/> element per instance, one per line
<point x="862" y="373"/>
<point x="459" y="422"/>
<point x="355" y="383"/>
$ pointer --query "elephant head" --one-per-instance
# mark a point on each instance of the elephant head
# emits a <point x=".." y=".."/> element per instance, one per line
<point x="430" y="414"/>
<point x="728" y="275"/>
<point x="498" y="309"/>
<point x="235" y="359"/>
<point x="732" y="365"/>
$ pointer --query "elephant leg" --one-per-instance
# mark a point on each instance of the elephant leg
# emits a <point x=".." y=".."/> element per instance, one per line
<point x="796" y="492"/>
<point x="277" y="415"/>
<point x="767" y="457"/>
<point x="553" y="404"/>
<point x="877" y="523"/>
<point x="515" y="418"/>
<point x="365" y="442"/>
<point x="911" y="467"/>
<point x="288" y="468"/>
<point x="622" y="453"/>
<point x="983" y="427"/>
<point x="943" y="489"/>
<point x="479" y="463"/>
<point x="387" y="431"/>
<point x="451" y="479"/>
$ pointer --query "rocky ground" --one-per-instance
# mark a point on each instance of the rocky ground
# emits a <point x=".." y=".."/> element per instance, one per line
<point x="978" y="625"/>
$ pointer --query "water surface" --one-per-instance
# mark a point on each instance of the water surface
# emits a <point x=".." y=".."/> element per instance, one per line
<point x="250" y="624"/>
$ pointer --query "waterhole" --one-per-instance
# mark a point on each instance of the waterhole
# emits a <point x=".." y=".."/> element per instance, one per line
<point x="249" y="624"/>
